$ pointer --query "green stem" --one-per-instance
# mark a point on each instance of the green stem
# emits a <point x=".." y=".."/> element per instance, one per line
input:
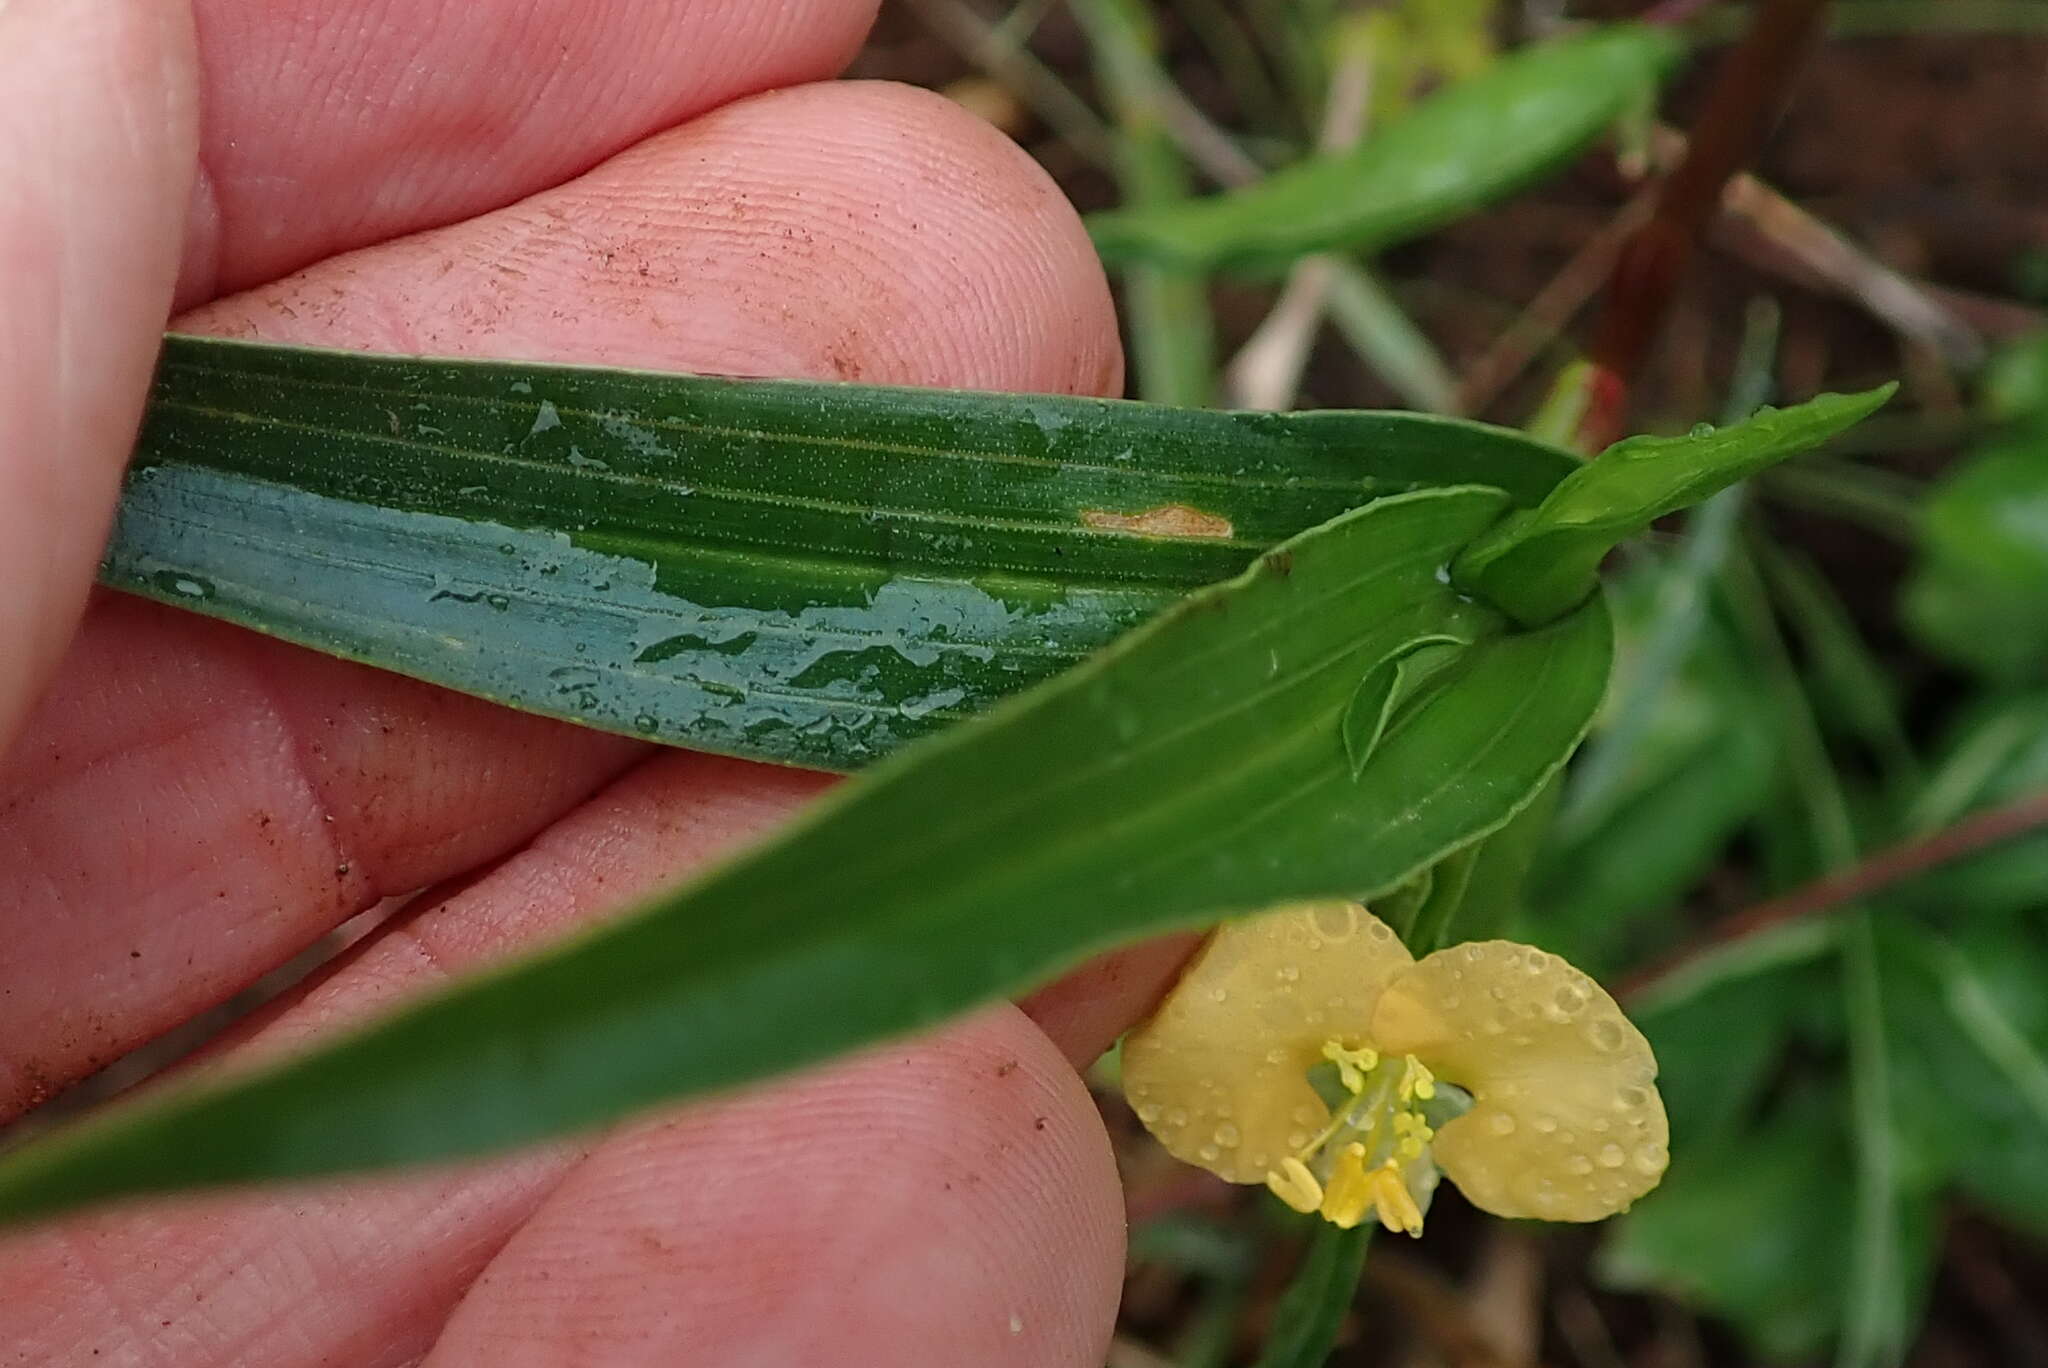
<point x="1167" y="308"/>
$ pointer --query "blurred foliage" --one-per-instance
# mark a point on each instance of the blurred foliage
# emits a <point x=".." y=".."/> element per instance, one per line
<point x="1981" y="594"/>
<point x="1838" y="1083"/>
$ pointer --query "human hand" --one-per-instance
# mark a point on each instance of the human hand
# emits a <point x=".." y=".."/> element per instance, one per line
<point x="188" y="805"/>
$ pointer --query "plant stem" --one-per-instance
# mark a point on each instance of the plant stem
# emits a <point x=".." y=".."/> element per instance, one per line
<point x="1892" y="865"/>
<point x="1740" y="108"/>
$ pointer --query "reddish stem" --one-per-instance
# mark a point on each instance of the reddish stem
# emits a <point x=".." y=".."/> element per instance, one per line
<point x="1885" y="868"/>
<point x="1747" y="94"/>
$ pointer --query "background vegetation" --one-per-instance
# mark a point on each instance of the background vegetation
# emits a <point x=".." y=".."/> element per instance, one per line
<point x="1807" y="836"/>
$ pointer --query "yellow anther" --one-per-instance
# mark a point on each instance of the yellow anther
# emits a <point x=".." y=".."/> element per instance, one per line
<point x="1391" y="1199"/>
<point x="1350" y="1194"/>
<point x="1352" y="1065"/>
<point x="1417" y="1081"/>
<point x="1293" y="1184"/>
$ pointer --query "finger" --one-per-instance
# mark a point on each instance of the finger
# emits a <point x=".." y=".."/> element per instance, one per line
<point x="332" y="126"/>
<point x="144" y="814"/>
<point x="239" y="1279"/>
<point x="851" y="230"/>
<point x="365" y="1272"/>
<point x="97" y="135"/>
<point x="1085" y="1011"/>
<point x="948" y="1201"/>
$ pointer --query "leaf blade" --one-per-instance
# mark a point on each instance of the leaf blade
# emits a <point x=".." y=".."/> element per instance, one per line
<point x="804" y="573"/>
<point x="1192" y="770"/>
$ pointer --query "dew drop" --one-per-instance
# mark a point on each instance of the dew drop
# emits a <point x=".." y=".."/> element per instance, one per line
<point x="1296" y="1139"/>
<point x="1210" y="1154"/>
<point x="647" y="724"/>
<point x="1611" y="1156"/>
<point x="1569" y="999"/>
<point x="1177" y="1118"/>
<point x="1475" y="953"/>
<point x="1303" y="1115"/>
<point x="1227" y="1136"/>
<point x="1339" y="923"/>
<point x="1219" y="995"/>
<point x="1631" y="1097"/>
<point x="1605" y="1035"/>
<point x="1500" y="1123"/>
<point x="1546" y="1124"/>
<point x="1579" y="1164"/>
<point x="1650" y="1158"/>
<point x="1149" y="1112"/>
<point x="1276" y="1056"/>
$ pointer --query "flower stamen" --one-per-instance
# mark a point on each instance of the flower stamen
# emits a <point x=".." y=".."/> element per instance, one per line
<point x="1293" y="1184"/>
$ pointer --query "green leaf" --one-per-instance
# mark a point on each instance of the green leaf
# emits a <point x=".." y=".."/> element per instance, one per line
<point x="1680" y="760"/>
<point x="1854" y="694"/>
<point x="1751" y="1228"/>
<point x="1193" y="770"/>
<point x="1542" y="562"/>
<point x="806" y="573"/>
<point x="1467" y="146"/>
<point x="1998" y="753"/>
<point x="1979" y="595"/>
<point x="1972" y="1030"/>
<point x="1311" y="1311"/>
<point x="1718" y="1048"/>
<point x="1395" y="682"/>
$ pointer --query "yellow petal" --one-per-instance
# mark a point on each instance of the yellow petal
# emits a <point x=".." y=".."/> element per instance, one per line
<point x="1566" y="1123"/>
<point x="1220" y="1071"/>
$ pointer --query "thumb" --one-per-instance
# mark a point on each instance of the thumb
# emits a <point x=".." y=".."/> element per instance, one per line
<point x="99" y="135"/>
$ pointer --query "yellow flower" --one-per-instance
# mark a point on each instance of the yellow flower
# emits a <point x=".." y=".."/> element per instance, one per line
<point x="1552" y="1111"/>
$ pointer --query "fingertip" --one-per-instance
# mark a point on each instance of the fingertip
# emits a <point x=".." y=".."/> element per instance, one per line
<point x="1084" y="1011"/>
<point x="856" y="231"/>
<point x="947" y="1200"/>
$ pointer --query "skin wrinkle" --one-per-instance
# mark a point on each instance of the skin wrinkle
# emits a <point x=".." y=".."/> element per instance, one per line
<point x="379" y="103"/>
<point x="917" y="1132"/>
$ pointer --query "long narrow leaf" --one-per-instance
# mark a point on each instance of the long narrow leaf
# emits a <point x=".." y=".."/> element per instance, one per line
<point x="1472" y="144"/>
<point x="1193" y="770"/>
<point x="805" y="573"/>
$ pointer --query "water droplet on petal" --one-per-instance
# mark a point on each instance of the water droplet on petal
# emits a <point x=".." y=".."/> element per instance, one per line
<point x="1177" y="1118"/>
<point x="1569" y="998"/>
<point x="1149" y="1112"/>
<point x="1631" y="1098"/>
<point x="1501" y="1123"/>
<point x="1219" y="995"/>
<point x="1296" y="1139"/>
<point x="1605" y="1035"/>
<point x="1546" y="1124"/>
<point x="1650" y="1158"/>
<point x="1611" y="1156"/>
<point x="1579" y="1164"/>
<point x="1210" y="1154"/>
<point x="1227" y="1135"/>
<point x="1338" y="923"/>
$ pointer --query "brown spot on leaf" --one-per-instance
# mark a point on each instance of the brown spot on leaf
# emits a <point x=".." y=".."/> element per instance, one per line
<point x="1167" y="520"/>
